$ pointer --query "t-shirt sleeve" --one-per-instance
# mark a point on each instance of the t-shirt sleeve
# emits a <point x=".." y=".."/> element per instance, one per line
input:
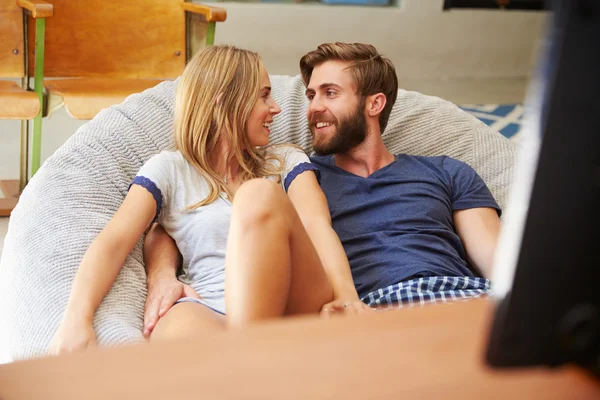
<point x="468" y="189"/>
<point x="155" y="176"/>
<point x="296" y="162"/>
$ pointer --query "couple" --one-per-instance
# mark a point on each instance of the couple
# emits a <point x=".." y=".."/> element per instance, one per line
<point x="380" y="229"/>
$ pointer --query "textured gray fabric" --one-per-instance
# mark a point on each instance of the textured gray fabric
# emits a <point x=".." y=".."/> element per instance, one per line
<point x="79" y="188"/>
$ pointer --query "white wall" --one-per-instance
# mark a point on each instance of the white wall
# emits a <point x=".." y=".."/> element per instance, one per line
<point x="465" y="56"/>
<point x="423" y="41"/>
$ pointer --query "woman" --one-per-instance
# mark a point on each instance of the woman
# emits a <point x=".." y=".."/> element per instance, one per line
<point x="274" y="254"/>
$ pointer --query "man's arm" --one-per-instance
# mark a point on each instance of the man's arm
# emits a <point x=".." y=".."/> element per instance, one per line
<point x="162" y="258"/>
<point x="478" y="228"/>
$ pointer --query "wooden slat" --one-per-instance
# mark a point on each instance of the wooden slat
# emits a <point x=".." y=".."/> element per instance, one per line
<point x="431" y="353"/>
<point x="38" y="8"/>
<point x="114" y="38"/>
<point x="11" y="40"/>
<point x="10" y="189"/>
<point x="17" y="103"/>
<point x="211" y="14"/>
<point x="86" y="97"/>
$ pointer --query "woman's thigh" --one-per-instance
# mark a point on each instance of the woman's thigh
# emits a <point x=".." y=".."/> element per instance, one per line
<point x="187" y="319"/>
<point x="291" y="255"/>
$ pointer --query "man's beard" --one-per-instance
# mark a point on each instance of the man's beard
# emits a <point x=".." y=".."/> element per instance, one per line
<point x="349" y="133"/>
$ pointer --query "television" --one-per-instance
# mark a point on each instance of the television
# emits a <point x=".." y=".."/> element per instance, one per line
<point x="503" y="4"/>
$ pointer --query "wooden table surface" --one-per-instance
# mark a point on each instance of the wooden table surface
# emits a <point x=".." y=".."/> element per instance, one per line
<point x="431" y="352"/>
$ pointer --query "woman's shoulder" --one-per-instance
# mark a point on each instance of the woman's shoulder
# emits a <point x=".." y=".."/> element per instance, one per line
<point x="167" y="157"/>
<point x="285" y="150"/>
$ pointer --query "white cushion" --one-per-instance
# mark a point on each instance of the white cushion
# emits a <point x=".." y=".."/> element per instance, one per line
<point x="80" y="187"/>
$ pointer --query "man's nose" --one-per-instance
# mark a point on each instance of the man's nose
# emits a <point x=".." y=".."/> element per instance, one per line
<point x="316" y="106"/>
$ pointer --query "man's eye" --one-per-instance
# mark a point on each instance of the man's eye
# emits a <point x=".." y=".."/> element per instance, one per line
<point x="330" y="93"/>
<point x="310" y="96"/>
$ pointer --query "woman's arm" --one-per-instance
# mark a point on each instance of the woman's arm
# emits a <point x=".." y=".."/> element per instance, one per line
<point x="101" y="264"/>
<point x="311" y="205"/>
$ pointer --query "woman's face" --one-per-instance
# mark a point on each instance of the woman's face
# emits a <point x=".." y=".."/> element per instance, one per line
<point x="261" y="116"/>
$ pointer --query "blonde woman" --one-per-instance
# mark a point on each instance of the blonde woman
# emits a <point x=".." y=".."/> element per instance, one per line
<point x="221" y="195"/>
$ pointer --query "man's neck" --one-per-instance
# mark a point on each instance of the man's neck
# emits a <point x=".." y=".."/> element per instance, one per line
<point x="366" y="158"/>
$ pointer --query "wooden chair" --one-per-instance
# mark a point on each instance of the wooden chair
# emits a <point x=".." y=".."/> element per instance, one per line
<point x="18" y="101"/>
<point x="105" y="50"/>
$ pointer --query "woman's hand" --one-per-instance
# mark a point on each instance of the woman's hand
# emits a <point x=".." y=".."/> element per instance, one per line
<point x="345" y="307"/>
<point x="73" y="335"/>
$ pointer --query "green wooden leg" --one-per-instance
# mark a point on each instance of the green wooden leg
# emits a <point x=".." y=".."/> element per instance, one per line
<point x="24" y="173"/>
<point x="40" y="31"/>
<point x="210" y="34"/>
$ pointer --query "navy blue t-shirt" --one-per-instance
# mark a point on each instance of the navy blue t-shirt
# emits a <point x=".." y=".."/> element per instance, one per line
<point x="397" y="224"/>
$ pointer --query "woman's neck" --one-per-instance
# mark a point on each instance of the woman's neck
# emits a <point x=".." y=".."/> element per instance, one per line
<point x="226" y="167"/>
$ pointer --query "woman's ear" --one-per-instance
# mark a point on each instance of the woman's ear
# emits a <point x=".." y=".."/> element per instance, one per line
<point x="375" y="104"/>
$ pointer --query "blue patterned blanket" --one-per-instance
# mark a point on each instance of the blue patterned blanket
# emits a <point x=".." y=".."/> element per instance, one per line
<point x="505" y="118"/>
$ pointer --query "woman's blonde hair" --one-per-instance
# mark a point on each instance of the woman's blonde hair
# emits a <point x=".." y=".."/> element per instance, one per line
<point x="215" y="96"/>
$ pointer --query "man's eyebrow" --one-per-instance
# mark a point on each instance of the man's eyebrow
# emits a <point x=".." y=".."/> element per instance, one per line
<point x="326" y="85"/>
<point x="323" y="86"/>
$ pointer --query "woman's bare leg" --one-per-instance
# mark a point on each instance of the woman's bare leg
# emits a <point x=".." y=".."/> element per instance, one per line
<point x="187" y="320"/>
<point x="272" y="268"/>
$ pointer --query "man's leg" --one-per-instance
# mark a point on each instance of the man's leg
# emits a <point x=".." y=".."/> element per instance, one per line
<point x="272" y="268"/>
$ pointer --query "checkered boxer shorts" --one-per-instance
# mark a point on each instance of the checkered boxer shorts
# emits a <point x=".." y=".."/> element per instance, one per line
<point x="421" y="291"/>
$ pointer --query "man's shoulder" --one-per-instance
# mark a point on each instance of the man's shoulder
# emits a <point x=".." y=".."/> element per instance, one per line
<point x="434" y="162"/>
<point x="321" y="160"/>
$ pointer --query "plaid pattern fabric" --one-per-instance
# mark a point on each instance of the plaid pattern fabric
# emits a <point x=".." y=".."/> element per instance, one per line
<point x="421" y="291"/>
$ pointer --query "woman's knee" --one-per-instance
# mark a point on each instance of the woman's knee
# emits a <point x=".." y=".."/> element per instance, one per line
<point x="259" y="189"/>
<point x="259" y="201"/>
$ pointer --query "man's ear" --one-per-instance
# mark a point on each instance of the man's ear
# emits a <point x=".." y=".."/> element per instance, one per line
<point x="375" y="104"/>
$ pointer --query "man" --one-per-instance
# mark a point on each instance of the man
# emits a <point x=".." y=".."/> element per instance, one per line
<point x="415" y="229"/>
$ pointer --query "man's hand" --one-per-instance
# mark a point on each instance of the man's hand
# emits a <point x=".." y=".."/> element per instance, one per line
<point x="163" y="292"/>
<point x="345" y="307"/>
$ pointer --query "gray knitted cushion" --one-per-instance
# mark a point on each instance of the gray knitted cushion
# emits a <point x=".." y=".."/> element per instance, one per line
<point x="80" y="187"/>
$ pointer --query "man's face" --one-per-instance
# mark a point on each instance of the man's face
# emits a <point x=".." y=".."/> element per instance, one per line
<point x="335" y="113"/>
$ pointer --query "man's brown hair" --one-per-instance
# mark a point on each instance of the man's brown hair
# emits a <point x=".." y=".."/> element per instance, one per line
<point x="372" y="72"/>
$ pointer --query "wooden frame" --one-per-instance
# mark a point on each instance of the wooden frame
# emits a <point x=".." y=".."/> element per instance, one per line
<point x="98" y="77"/>
<point x="22" y="103"/>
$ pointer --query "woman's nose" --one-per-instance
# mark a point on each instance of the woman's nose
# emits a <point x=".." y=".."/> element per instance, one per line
<point x="275" y="108"/>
